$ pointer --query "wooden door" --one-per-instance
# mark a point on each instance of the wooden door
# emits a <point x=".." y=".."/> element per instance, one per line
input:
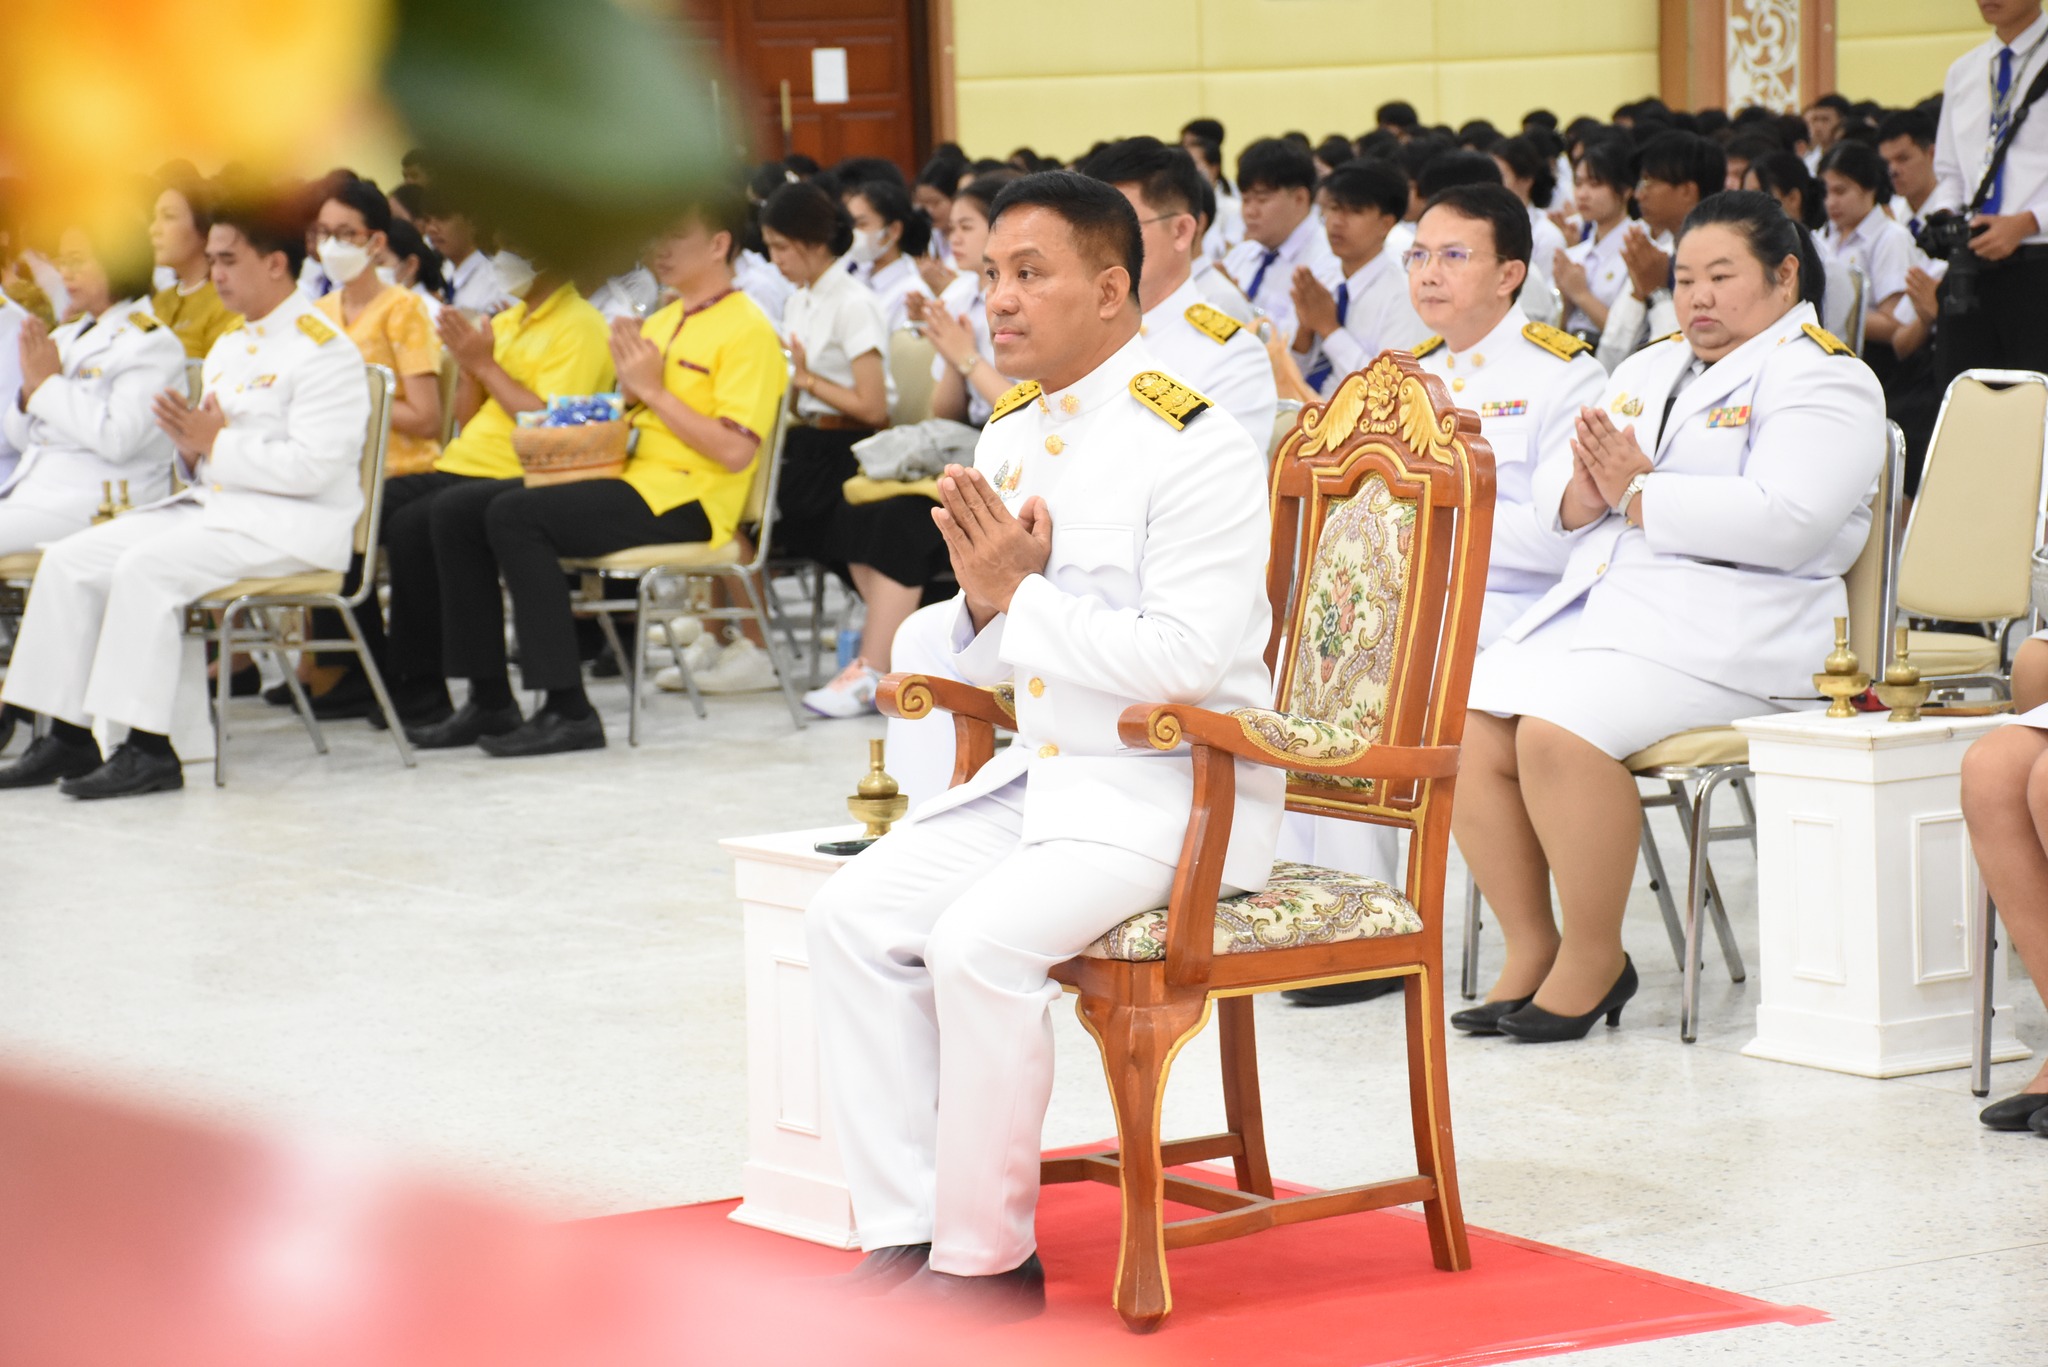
<point x="769" y="42"/>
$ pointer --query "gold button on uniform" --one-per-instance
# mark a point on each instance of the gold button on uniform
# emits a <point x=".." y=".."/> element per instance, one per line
<point x="1070" y="404"/>
<point x="1458" y="386"/>
<point x="1037" y="687"/>
<point x="1478" y="360"/>
<point x="1600" y="568"/>
<point x="1054" y="445"/>
<point x="1048" y="751"/>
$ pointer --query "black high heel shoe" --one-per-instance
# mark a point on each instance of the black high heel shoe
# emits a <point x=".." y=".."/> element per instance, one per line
<point x="1534" y="1024"/>
<point x="1484" y="1019"/>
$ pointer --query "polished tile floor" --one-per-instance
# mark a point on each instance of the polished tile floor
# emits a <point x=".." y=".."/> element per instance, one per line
<point x="527" y="973"/>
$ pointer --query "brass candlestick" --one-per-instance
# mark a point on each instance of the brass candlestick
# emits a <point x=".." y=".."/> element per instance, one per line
<point x="124" y="505"/>
<point x="1902" y="690"/>
<point x="1842" y="680"/>
<point x="876" y="800"/>
<point x="105" y="512"/>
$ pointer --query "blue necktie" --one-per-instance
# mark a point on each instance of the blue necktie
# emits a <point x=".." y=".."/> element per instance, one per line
<point x="1259" y="277"/>
<point x="2000" y="117"/>
<point x="1315" y="378"/>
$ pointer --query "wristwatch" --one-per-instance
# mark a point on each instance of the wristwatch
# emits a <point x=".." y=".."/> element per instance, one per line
<point x="1628" y="494"/>
<point x="966" y="364"/>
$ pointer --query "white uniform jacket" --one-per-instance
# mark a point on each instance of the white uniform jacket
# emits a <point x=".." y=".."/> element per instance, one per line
<point x="286" y="468"/>
<point x="91" y="423"/>
<point x="1221" y="291"/>
<point x="1758" y="505"/>
<point x="1155" y="592"/>
<point x="1220" y="359"/>
<point x="1527" y="397"/>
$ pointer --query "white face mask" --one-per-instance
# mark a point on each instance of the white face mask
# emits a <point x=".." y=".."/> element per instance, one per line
<point x="343" y="261"/>
<point x="515" y="273"/>
<point x="387" y="275"/>
<point x="868" y="246"/>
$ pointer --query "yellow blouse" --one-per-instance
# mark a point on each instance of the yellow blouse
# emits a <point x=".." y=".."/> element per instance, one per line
<point x="198" y="316"/>
<point x="395" y="331"/>
<point x="559" y="346"/>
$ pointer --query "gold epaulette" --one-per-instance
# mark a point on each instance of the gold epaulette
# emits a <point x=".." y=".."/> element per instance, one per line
<point x="1827" y="341"/>
<point x="1556" y="341"/>
<point x="317" y="330"/>
<point x="1425" y="346"/>
<point x="144" y="321"/>
<point x="1669" y="337"/>
<point x="1213" y="323"/>
<point x="1167" y="397"/>
<point x="1016" y="398"/>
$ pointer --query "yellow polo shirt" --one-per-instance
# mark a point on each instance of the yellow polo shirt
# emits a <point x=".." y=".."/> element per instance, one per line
<point x="557" y="347"/>
<point x="725" y="361"/>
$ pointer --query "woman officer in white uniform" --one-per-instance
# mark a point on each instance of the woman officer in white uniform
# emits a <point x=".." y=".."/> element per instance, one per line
<point x="1713" y="499"/>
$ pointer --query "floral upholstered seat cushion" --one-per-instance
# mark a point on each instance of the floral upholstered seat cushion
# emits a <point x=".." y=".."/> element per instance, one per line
<point x="1301" y="905"/>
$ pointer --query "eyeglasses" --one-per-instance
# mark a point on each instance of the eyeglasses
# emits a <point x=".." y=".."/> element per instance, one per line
<point x="1454" y="258"/>
<point x="1161" y="218"/>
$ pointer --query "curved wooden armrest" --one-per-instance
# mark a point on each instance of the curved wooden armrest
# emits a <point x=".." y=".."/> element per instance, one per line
<point x="913" y="696"/>
<point x="1251" y="733"/>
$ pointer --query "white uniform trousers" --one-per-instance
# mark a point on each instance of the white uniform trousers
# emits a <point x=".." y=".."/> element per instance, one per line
<point x="929" y="955"/>
<point x="24" y="529"/>
<point x="105" y="621"/>
<point x="920" y="759"/>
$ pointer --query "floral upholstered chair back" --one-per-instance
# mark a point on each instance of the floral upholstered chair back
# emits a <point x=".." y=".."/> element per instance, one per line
<point x="1382" y="508"/>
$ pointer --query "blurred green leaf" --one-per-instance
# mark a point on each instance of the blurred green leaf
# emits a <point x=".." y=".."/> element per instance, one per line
<point x="577" y="127"/>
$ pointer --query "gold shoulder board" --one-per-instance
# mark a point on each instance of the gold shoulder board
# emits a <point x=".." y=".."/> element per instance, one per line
<point x="317" y="330"/>
<point x="1556" y="341"/>
<point x="1213" y="323"/>
<point x="1167" y="397"/>
<point x="1019" y="395"/>
<point x="144" y="321"/>
<point x="1425" y="346"/>
<point x="1827" y="341"/>
<point x="1669" y="337"/>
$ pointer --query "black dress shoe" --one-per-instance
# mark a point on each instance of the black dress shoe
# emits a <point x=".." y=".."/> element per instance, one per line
<point x="277" y="695"/>
<point x="6" y="726"/>
<point x="246" y="682"/>
<point x="547" y="733"/>
<point x="47" y="760"/>
<point x="130" y="773"/>
<point x="350" y="697"/>
<point x="2015" y="1112"/>
<point x="997" y="1298"/>
<point x="1534" y="1024"/>
<point x="1342" y="994"/>
<point x="882" y="1271"/>
<point x="465" y="727"/>
<point x="1484" y="1019"/>
<point x="2039" y="1123"/>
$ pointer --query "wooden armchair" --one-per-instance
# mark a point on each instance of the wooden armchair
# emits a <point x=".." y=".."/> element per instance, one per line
<point x="1382" y="522"/>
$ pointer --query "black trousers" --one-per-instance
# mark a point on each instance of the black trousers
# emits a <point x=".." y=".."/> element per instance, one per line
<point x="2008" y="330"/>
<point x="500" y="529"/>
<point x="410" y="654"/>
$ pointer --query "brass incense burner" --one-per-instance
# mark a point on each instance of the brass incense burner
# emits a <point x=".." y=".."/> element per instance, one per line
<point x="1902" y="691"/>
<point x="876" y="800"/>
<point x="1842" y="679"/>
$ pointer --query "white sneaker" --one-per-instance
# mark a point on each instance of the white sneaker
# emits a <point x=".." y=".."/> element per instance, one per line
<point x="702" y="655"/>
<point x="852" y="694"/>
<point x="741" y="667"/>
<point x="679" y="632"/>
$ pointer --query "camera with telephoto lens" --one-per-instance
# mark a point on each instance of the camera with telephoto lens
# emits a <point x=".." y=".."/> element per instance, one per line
<point x="1947" y="237"/>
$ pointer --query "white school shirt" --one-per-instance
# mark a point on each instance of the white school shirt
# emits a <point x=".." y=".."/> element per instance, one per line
<point x="758" y="278"/>
<point x="836" y="318"/>
<point x="892" y="285"/>
<point x="1605" y="272"/>
<point x="1962" y="141"/>
<point x="473" y="285"/>
<point x="1274" y="297"/>
<point x="963" y="299"/>
<point x="1880" y="248"/>
<point x="1378" y="314"/>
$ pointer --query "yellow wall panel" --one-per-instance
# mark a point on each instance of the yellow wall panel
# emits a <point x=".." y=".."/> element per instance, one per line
<point x="1890" y="18"/>
<point x="1239" y="35"/>
<point x="1503" y="91"/>
<point x="1898" y="71"/>
<point x="1063" y="115"/>
<point x="1318" y="100"/>
<point x="1541" y="28"/>
<point x="1071" y="38"/>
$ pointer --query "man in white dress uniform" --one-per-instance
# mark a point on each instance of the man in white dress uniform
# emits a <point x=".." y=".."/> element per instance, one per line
<point x="1110" y="544"/>
<point x="270" y="461"/>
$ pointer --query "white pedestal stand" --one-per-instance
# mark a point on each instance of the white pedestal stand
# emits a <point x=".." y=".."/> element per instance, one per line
<point x="792" y="1182"/>
<point x="1865" y="890"/>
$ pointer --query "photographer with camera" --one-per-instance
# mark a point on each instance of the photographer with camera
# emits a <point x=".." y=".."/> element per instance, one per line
<point x="1990" y="219"/>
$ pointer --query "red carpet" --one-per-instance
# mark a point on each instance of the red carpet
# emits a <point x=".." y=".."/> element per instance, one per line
<point x="1357" y="1291"/>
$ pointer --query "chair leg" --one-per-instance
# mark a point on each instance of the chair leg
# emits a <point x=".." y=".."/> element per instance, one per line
<point x="1138" y="1044"/>
<point x="1468" y="973"/>
<point x="1242" y="1114"/>
<point x="377" y="689"/>
<point x="1660" y="883"/>
<point x="223" y="667"/>
<point x="756" y="594"/>
<point x="1983" y="987"/>
<point x="817" y="623"/>
<point x="1695" y="896"/>
<point x="1696" y="835"/>
<point x="1429" y="1107"/>
<point x="301" y="704"/>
